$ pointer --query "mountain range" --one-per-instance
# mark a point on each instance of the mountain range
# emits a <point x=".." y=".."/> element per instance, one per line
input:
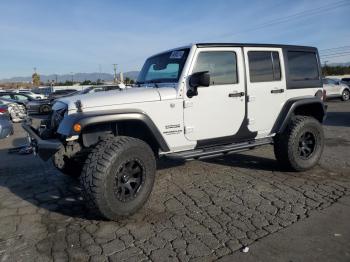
<point x="78" y="77"/>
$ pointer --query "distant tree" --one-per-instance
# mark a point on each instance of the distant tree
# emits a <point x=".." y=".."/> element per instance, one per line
<point x="36" y="79"/>
<point x="335" y="70"/>
<point x="86" y="82"/>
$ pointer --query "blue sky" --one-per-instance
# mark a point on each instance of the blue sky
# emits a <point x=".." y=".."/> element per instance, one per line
<point x="78" y="36"/>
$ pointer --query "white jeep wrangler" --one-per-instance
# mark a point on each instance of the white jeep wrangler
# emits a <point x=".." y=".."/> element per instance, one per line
<point x="191" y="102"/>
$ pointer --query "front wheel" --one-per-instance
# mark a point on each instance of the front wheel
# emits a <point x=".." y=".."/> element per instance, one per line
<point x="118" y="176"/>
<point x="300" y="146"/>
<point x="345" y="95"/>
<point x="44" y="109"/>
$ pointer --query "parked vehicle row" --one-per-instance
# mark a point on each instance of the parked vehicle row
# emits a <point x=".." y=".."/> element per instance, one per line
<point x="17" y="110"/>
<point x="33" y="106"/>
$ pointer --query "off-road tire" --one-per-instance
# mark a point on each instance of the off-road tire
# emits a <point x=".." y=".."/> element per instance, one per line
<point x="288" y="146"/>
<point x="71" y="167"/>
<point x="102" y="170"/>
<point x="345" y="95"/>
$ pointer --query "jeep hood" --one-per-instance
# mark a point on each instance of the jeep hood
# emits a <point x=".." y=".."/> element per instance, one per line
<point x="119" y="97"/>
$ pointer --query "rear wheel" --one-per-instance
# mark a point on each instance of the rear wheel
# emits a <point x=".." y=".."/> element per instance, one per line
<point x="345" y="95"/>
<point x="300" y="146"/>
<point x="118" y="176"/>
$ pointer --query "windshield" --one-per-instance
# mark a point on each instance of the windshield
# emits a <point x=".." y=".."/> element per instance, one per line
<point x="163" y="68"/>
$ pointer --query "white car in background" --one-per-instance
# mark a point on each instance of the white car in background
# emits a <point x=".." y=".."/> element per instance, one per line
<point x="31" y="94"/>
<point x="336" y="88"/>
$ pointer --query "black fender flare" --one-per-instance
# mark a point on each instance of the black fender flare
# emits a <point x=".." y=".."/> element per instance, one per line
<point x="90" y="118"/>
<point x="291" y="106"/>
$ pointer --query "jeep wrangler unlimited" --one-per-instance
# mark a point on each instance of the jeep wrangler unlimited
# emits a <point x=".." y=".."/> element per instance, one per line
<point x="191" y="102"/>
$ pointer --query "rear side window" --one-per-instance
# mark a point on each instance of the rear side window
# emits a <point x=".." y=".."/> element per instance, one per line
<point x="264" y="66"/>
<point x="221" y="65"/>
<point x="302" y="66"/>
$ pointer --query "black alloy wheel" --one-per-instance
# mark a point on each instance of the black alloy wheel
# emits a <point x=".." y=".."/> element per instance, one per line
<point x="307" y="144"/>
<point x="129" y="179"/>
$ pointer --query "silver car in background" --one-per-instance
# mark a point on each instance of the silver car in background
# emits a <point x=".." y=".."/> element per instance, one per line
<point x="335" y="88"/>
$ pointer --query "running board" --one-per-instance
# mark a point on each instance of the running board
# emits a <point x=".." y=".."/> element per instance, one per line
<point x="218" y="150"/>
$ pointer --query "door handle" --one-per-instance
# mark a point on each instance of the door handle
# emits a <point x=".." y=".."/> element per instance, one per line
<point x="277" y="91"/>
<point x="236" y="94"/>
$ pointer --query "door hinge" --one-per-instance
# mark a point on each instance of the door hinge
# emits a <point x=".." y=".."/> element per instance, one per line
<point x="188" y="104"/>
<point x="189" y="129"/>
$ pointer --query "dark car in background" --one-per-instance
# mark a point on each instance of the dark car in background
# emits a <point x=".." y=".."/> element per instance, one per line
<point x="60" y="93"/>
<point x="33" y="106"/>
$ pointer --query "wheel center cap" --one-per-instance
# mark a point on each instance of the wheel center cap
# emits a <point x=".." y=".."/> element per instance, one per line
<point x="125" y="178"/>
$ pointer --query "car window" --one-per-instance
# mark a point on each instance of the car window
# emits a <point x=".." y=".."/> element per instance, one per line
<point x="302" y="66"/>
<point x="6" y="96"/>
<point x="264" y="66"/>
<point x="222" y="66"/>
<point x="331" y="81"/>
<point x="20" y="97"/>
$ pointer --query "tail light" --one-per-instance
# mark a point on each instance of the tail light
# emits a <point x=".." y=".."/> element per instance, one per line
<point x="3" y="110"/>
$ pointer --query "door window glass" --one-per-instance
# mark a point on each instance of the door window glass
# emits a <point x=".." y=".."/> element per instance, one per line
<point x="222" y="66"/>
<point x="264" y="66"/>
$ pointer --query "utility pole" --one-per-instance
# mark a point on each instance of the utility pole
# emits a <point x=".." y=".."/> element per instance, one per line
<point x="72" y="78"/>
<point x="115" y="72"/>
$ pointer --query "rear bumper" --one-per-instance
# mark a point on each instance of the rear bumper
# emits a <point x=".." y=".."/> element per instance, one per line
<point x="45" y="148"/>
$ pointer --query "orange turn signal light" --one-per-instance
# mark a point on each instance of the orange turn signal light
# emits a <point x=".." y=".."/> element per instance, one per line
<point x="77" y="127"/>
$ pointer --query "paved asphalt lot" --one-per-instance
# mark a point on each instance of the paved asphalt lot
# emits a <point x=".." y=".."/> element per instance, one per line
<point x="198" y="211"/>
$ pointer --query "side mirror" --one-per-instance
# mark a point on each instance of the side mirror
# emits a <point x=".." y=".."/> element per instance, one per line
<point x="199" y="79"/>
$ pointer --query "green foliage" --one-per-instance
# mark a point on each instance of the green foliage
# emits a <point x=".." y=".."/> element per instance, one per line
<point x="36" y="79"/>
<point x="335" y="70"/>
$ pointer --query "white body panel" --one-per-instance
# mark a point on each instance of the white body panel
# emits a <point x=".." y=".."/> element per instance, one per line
<point x="213" y="113"/>
<point x="264" y="106"/>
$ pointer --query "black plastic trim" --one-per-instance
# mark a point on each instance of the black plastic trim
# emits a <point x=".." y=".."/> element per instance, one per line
<point x="253" y="45"/>
<point x="302" y="84"/>
<point x="289" y="108"/>
<point x="44" y="148"/>
<point x="90" y="118"/>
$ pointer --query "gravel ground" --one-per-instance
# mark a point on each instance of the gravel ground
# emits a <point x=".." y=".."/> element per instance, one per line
<point x="199" y="210"/>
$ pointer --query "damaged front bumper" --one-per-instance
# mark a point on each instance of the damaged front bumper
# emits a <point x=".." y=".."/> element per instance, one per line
<point x="45" y="148"/>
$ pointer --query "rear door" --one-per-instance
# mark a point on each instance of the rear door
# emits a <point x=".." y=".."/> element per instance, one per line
<point x="218" y="110"/>
<point x="266" y="87"/>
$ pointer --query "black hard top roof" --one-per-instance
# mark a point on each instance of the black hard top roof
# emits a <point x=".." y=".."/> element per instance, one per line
<point x="253" y="45"/>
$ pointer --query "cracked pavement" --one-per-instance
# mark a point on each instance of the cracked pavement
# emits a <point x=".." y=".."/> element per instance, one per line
<point x="198" y="211"/>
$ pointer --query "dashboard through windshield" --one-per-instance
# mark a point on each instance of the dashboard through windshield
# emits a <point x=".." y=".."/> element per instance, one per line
<point x="163" y="68"/>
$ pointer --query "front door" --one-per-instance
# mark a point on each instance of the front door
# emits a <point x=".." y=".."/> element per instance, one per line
<point x="218" y="110"/>
<point x="266" y="87"/>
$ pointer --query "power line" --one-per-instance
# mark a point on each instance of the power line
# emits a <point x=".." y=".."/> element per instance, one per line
<point x="334" y="49"/>
<point x="335" y="54"/>
<point x="300" y="15"/>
